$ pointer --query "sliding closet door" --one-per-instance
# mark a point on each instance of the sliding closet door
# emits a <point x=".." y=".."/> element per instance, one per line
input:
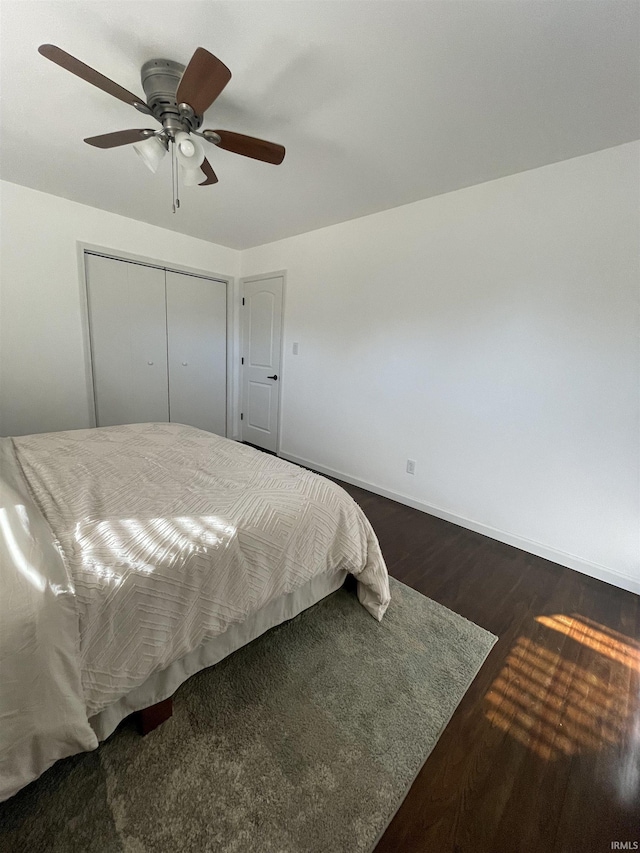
<point x="127" y="325"/>
<point x="197" y="343"/>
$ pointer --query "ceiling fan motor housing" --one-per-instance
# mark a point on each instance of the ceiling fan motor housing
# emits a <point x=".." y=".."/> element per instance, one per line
<point x="160" y="79"/>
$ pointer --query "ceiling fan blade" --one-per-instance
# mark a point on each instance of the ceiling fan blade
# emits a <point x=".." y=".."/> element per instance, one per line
<point x="204" y="78"/>
<point x="248" y="146"/>
<point x="70" y="63"/>
<point x="120" y="137"/>
<point x="211" y="178"/>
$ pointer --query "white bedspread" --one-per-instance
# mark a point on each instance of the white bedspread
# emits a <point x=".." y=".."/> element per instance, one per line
<point x="169" y="534"/>
<point x="42" y="712"/>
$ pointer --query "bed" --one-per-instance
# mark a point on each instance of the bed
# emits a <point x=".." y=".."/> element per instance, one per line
<point x="134" y="556"/>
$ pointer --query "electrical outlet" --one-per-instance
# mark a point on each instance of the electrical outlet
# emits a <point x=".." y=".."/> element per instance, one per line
<point x="295" y="348"/>
<point x="411" y="466"/>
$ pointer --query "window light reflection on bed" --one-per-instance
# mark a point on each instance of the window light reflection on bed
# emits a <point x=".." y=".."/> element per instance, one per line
<point x="105" y="574"/>
<point x="21" y="512"/>
<point x="207" y="527"/>
<point x="141" y="544"/>
<point x="15" y="551"/>
<point x="105" y="529"/>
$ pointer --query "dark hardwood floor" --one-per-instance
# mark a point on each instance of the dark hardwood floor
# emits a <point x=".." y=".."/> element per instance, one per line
<point x="543" y="753"/>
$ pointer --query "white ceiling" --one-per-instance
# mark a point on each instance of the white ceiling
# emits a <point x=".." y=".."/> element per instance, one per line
<point x="378" y="103"/>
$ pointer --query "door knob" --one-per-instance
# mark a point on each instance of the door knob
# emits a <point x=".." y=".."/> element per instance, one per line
<point x="184" y="363"/>
<point x="149" y="363"/>
<point x="275" y="376"/>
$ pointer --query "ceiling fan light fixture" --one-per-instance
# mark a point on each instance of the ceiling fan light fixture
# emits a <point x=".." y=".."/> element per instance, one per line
<point x="192" y="177"/>
<point x="189" y="151"/>
<point x="169" y="85"/>
<point x="152" y="151"/>
<point x="188" y="148"/>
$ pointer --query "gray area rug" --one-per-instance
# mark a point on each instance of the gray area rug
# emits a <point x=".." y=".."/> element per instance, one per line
<point x="305" y="741"/>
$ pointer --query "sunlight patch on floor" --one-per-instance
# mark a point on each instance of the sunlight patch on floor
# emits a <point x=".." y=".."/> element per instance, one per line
<point x="602" y="640"/>
<point x="558" y="707"/>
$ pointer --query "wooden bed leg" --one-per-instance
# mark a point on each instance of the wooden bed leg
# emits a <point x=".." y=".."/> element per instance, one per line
<point x="150" y="718"/>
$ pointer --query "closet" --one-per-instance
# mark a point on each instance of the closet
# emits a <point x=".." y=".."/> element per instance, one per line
<point x="158" y="344"/>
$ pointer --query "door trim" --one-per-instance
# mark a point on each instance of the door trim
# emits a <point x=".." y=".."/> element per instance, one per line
<point x="233" y="359"/>
<point x="283" y="372"/>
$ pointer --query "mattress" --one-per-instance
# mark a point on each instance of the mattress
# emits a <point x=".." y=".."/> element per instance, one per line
<point x="154" y="541"/>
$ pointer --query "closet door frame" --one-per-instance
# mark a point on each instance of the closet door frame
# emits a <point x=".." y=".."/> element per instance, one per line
<point x="232" y="321"/>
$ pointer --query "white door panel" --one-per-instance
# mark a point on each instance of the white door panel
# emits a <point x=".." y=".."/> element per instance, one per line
<point x="262" y="330"/>
<point x="261" y="324"/>
<point x="259" y="406"/>
<point x="128" y="341"/>
<point x="197" y="345"/>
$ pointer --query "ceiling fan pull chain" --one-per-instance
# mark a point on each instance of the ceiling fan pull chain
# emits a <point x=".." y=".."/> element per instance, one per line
<point x="174" y="176"/>
<point x="177" y="171"/>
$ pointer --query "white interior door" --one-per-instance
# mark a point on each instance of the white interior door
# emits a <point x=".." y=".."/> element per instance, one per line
<point x="262" y="330"/>
<point x="197" y="344"/>
<point x="127" y="328"/>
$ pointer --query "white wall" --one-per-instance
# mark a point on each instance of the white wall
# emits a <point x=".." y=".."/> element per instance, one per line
<point x="43" y="376"/>
<point x="491" y="334"/>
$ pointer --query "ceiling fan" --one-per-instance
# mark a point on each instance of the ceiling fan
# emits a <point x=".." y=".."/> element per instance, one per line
<point x="177" y="97"/>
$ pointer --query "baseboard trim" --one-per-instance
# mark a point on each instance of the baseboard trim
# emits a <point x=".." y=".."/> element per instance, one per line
<point x="570" y="561"/>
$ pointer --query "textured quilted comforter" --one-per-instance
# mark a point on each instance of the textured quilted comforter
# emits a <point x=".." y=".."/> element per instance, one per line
<point x="169" y="534"/>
